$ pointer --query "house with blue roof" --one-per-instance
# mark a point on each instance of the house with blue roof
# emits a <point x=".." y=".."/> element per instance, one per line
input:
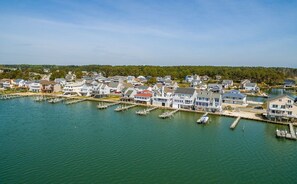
<point x="234" y="97"/>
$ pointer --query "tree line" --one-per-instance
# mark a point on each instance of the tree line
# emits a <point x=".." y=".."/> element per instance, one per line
<point x="269" y="75"/>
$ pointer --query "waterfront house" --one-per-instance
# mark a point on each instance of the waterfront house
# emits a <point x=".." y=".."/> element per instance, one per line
<point x="86" y="89"/>
<point x="243" y="83"/>
<point x="217" y="88"/>
<point x="18" y="83"/>
<point x="184" y="98"/>
<point x="100" y="90"/>
<point x="251" y="87"/>
<point x="35" y="86"/>
<point x="208" y="101"/>
<point x="234" y="97"/>
<point x="227" y="83"/>
<point x="73" y="88"/>
<point x="143" y="97"/>
<point x="115" y="87"/>
<point x="289" y="83"/>
<point x="6" y="83"/>
<point x="50" y="87"/>
<point x="128" y="94"/>
<point x="162" y="97"/>
<point x="281" y="108"/>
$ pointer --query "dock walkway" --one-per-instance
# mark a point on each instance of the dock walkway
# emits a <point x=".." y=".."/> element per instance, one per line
<point x="168" y="114"/>
<point x="69" y="102"/>
<point x="123" y="108"/>
<point x="234" y="124"/>
<point x="145" y="111"/>
<point x="106" y="105"/>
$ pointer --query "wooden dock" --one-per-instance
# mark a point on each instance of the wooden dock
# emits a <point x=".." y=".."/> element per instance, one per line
<point x="285" y="134"/>
<point x="69" y="102"/>
<point x="168" y="114"/>
<point x="56" y="100"/>
<point x="199" y="120"/>
<point x="106" y="105"/>
<point x="8" y="97"/>
<point x="234" y="124"/>
<point x="123" y="108"/>
<point x="145" y="111"/>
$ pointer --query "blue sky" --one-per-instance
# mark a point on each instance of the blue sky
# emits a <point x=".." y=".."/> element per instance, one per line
<point x="149" y="32"/>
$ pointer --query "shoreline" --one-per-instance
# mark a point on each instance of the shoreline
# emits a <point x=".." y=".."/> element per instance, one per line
<point x="243" y="114"/>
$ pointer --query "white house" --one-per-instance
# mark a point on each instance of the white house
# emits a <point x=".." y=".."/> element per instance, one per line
<point x="100" y="90"/>
<point x="184" y="98"/>
<point x="128" y="94"/>
<point x="86" y="90"/>
<point x="19" y="83"/>
<point x="115" y="87"/>
<point x="281" y="108"/>
<point x="227" y="83"/>
<point x="208" y="101"/>
<point x="234" y="97"/>
<point x="60" y="81"/>
<point x="73" y="88"/>
<point x="143" y="97"/>
<point x="70" y="77"/>
<point x="251" y="87"/>
<point x="243" y="83"/>
<point x="217" y="88"/>
<point x="162" y="97"/>
<point x="35" y="86"/>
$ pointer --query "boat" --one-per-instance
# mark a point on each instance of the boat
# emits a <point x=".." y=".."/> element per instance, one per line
<point x="203" y="120"/>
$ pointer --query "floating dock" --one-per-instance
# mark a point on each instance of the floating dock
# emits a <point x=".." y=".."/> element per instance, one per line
<point x="145" y="111"/>
<point x="200" y="119"/>
<point x="286" y="134"/>
<point x="234" y="124"/>
<point x="106" y="105"/>
<point x="168" y="114"/>
<point x="123" y="108"/>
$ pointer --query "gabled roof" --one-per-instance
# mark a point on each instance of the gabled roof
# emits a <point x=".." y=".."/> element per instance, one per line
<point x="251" y="85"/>
<point x="234" y="93"/>
<point x="113" y="84"/>
<point x="188" y="91"/>
<point x="280" y="96"/>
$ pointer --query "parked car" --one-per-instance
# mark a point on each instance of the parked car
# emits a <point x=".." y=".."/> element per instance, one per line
<point x="258" y="107"/>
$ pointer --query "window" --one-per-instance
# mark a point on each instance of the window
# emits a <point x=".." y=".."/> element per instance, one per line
<point x="283" y="106"/>
<point x="289" y="101"/>
<point x="274" y="106"/>
<point x="289" y="112"/>
<point x="280" y="100"/>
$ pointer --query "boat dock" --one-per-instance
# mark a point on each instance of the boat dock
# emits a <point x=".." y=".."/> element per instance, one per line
<point x="168" y="114"/>
<point x="199" y="120"/>
<point x="123" y="108"/>
<point x="285" y="134"/>
<point x="234" y="124"/>
<point x="106" y="105"/>
<point x="55" y="100"/>
<point x="69" y="102"/>
<point x="7" y="97"/>
<point x="145" y="111"/>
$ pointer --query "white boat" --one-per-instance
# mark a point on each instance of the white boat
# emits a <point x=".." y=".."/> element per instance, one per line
<point x="203" y="120"/>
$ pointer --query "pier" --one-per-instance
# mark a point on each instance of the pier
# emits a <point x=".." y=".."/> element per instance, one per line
<point x="56" y="100"/>
<point x="7" y="97"/>
<point x="123" y="108"/>
<point x="200" y="119"/>
<point x="168" y="114"/>
<point x="69" y="102"/>
<point x="106" y="105"/>
<point x="146" y="111"/>
<point x="234" y="124"/>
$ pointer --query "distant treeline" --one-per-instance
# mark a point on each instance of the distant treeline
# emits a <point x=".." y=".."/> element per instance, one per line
<point x="269" y="75"/>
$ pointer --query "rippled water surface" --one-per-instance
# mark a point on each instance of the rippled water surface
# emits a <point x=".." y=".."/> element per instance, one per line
<point x="56" y="143"/>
